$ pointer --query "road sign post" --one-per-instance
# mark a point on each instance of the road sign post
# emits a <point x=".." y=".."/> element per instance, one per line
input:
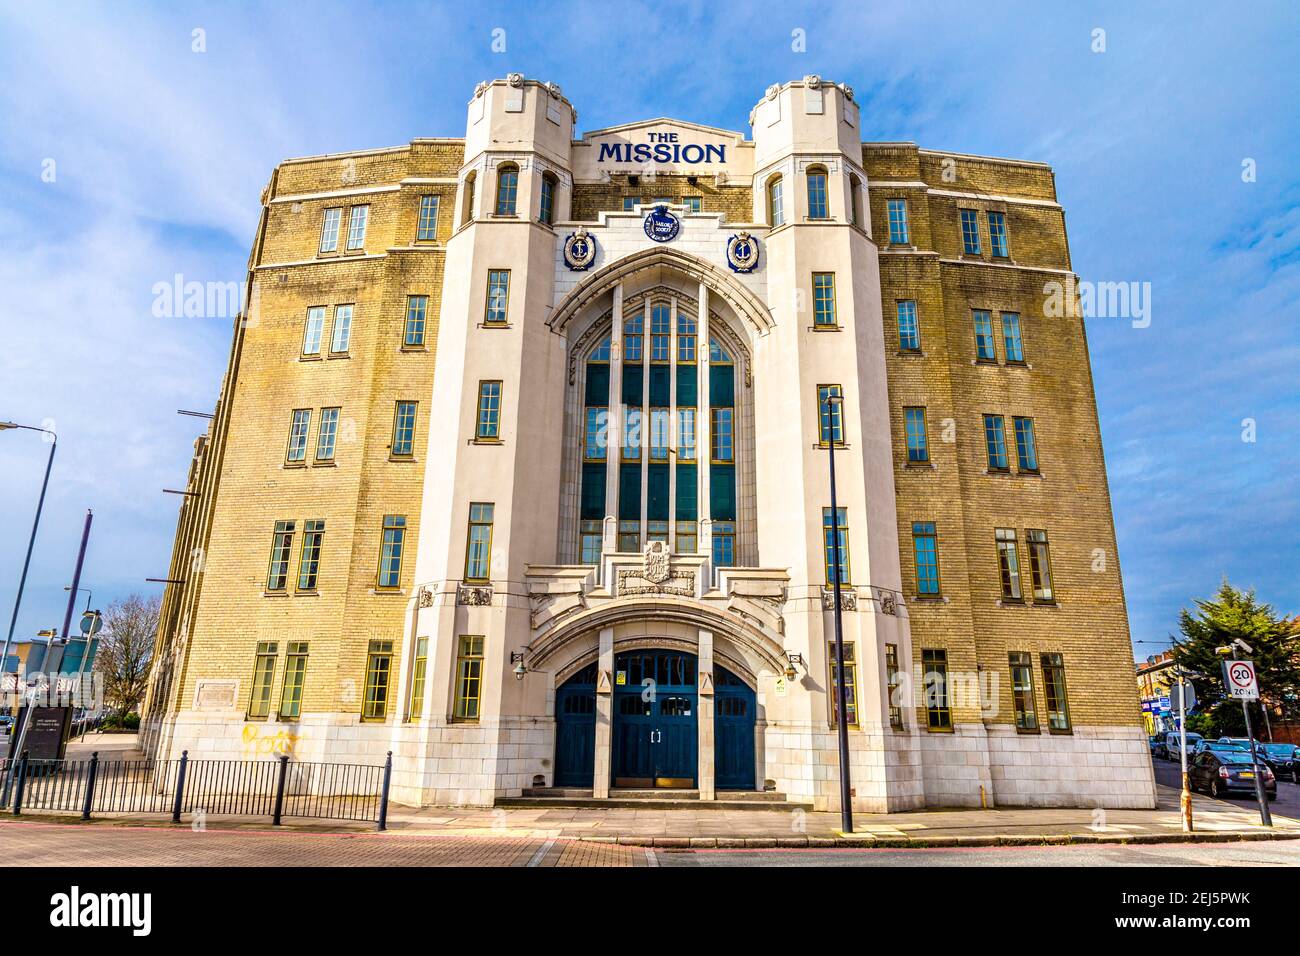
<point x="1241" y="684"/>
<point x="1185" y="800"/>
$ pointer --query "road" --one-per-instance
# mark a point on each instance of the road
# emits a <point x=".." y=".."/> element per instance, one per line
<point x="37" y="844"/>
<point x="1169" y="774"/>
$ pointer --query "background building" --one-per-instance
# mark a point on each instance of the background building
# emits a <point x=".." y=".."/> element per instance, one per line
<point x="592" y="550"/>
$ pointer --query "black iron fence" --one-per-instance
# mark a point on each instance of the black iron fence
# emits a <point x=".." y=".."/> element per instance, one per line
<point x="276" y="788"/>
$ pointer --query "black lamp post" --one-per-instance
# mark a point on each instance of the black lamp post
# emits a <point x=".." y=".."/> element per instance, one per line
<point x="834" y="405"/>
<point x="22" y="581"/>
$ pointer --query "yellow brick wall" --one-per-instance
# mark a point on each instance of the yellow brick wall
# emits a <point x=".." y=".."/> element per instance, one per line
<point x="1070" y="500"/>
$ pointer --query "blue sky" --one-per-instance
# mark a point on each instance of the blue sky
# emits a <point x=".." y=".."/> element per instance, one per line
<point x="160" y="154"/>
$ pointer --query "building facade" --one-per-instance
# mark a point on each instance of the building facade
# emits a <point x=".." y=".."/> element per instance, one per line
<point x="520" y="470"/>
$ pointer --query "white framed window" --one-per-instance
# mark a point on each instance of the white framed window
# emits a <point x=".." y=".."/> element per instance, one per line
<point x="357" y="219"/>
<point x="314" y="330"/>
<point x="329" y="230"/>
<point x="342" y="329"/>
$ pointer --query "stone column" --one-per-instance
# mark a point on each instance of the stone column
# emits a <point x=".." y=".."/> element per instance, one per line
<point x="704" y="698"/>
<point x="613" y="424"/>
<point x="703" y="446"/>
<point x="604" y="714"/>
<point x="643" y="455"/>
<point x="673" y="440"/>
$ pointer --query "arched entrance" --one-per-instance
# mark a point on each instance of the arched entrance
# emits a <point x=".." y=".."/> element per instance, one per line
<point x="735" y="705"/>
<point x="575" y="729"/>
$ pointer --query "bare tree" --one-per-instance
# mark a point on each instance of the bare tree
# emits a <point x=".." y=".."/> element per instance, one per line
<point x="125" y="646"/>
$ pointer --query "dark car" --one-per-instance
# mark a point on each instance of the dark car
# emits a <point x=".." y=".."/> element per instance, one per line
<point x="1224" y="772"/>
<point x="1283" y="758"/>
<point x="1157" y="745"/>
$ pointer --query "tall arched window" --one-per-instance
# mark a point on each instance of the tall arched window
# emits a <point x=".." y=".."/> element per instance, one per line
<point x="855" y="199"/>
<point x="467" y="213"/>
<point x="547" y="214"/>
<point x="818" y="203"/>
<point x="507" y="189"/>
<point x="775" y="206"/>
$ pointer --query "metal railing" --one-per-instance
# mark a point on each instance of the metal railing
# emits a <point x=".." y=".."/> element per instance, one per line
<point x="275" y="788"/>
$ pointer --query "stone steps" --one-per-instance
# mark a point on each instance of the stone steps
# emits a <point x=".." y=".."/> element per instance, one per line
<point x="657" y="799"/>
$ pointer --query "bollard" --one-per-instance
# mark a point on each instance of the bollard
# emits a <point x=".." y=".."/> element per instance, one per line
<point x="22" y="783"/>
<point x="180" y="786"/>
<point x="90" y="785"/>
<point x="383" y="797"/>
<point x="279" y="790"/>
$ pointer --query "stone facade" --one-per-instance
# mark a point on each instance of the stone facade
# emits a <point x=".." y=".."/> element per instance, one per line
<point x="548" y="607"/>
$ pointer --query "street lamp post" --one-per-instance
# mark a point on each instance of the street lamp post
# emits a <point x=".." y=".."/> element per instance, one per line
<point x="31" y="543"/>
<point x="834" y="406"/>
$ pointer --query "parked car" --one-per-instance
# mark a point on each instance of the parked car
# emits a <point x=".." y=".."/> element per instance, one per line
<point x="6" y="724"/>
<point x="1225" y="772"/>
<point x="1157" y="745"/>
<point x="1283" y="758"/>
<point x="1220" y="747"/>
<point x="1173" y="740"/>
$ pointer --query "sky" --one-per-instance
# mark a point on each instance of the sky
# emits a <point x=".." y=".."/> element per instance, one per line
<point x="137" y="139"/>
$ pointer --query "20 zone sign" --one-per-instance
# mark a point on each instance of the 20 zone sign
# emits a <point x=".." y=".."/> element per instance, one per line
<point x="1240" y="680"/>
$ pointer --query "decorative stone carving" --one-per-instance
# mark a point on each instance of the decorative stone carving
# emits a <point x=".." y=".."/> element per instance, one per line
<point x="887" y="602"/>
<point x="773" y="90"/>
<point x="423" y="597"/>
<point x="656" y="562"/>
<point x="515" y="79"/>
<point x="473" y="595"/>
<point x="848" y="91"/>
<point x="483" y="85"/>
<point x="553" y="89"/>
<point x="812" y="81"/>
<point x="680" y="582"/>
<point x="848" y="599"/>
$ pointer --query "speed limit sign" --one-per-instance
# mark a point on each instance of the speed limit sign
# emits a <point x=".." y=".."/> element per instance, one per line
<point x="1239" y="679"/>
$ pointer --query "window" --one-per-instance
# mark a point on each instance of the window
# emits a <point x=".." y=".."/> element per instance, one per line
<point x="327" y="434"/>
<point x="818" y="205"/>
<point x="629" y="203"/>
<point x="314" y="330"/>
<point x="489" y="411"/>
<point x="632" y="434"/>
<point x="775" y="202"/>
<point x="478" y="547"/>
<point x="342" y="337"/>
<point x="415" y="706"/>
<point x="998" y="234"/>
<point x="892" y="681"/>
<point x="259" y="702"/>
<point x="597" y="432"/>
<point x="417" y="306"/>
<point x="909" y="330"/>
<point x="633" y="326"/>
<point x="721" y="433"/>
<point x="835" y="534"/>
<point x="918" y="444"/>
<point x="547" y="211"/>
<point x="390" y="552"/>
<point x="1014" y="349"/>
<point x="295" y="675"/>
<point x="379" y="669"/>
<point x="660" y="433"/>
<point x="925" y="546"/>
<point x="686" y="434"/>
<point x="313" y="536"/>
<point x="855" y="199"/>
<point x="694" y="204"/>
<point x="403" y="445"/>
<point x="850" y="683"/>
<point x="686" y="333"/>
<point x="824" y="299"/>
<point x="281" y="543"/>
<point x="469" y="678"/>
<point x="1026" y="446"/>
<point x="724" y="544"/>
<point x="1040" y="566"/>
<point x="660" y="334"/>
<point x="897" y="209"/>
<point x="1058" y="711"/>
<point x="507" y="189"/>
<point x="985" y="351"/>
<point x="938" y="713"/>
<point x="299" y="425"/>
<point x="830" y="415"/>
<point x="467" y="214"/>
<point x="426" y="229"/>
<point x="592" y="541"/>
<point x="1008" y="563"/>
<point x="629" y="535"/>
<point x="357" y="218"/>
<point x="970" y="232"/>
<point x="1022" y="691"/>
<point x="498" y="294"/>
<point x="329" y="230"/>
<point x="995" y="442"/>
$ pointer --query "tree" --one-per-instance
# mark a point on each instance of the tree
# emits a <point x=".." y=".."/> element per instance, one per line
<point x="125" y="647"/>
<point x="1236" y="614"/>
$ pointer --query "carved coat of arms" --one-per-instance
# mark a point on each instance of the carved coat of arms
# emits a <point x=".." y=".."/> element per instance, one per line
<point x="656" y="562"/>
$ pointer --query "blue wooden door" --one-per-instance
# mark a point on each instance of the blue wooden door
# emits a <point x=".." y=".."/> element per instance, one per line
<point x="733" y="732"/>
<point x="575" y="730"/>
<point x="656" y="731"/>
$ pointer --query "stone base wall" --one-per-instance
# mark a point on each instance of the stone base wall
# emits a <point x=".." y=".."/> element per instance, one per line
<point x="1092" y="767"/>
<point x="802" y="760"/>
